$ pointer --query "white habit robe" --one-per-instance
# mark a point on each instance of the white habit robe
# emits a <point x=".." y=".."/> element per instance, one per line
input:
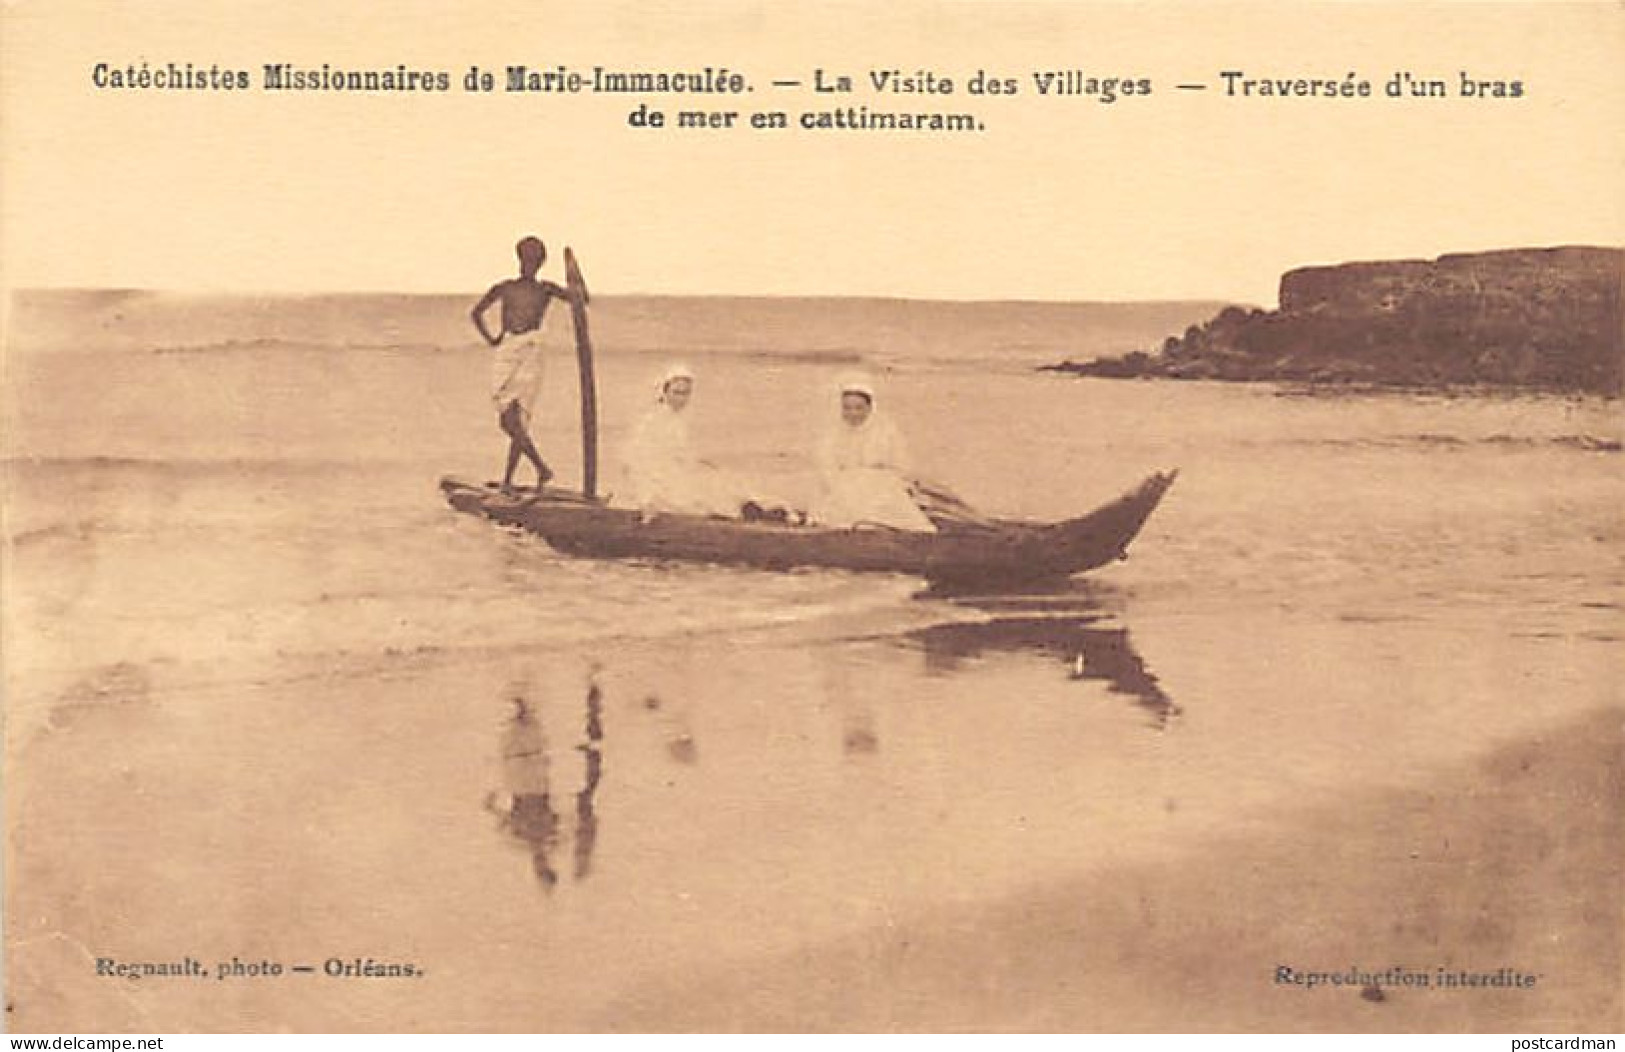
<point x="663" y="473"/>
<point x="864" y="478"/>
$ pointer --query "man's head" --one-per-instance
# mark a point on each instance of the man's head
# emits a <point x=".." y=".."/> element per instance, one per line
<point x="532" y="254"/>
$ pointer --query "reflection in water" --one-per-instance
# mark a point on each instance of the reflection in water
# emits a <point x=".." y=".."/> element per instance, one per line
<point x="592" y="754"/>
<point x="680" y="744"/>
<point x="526" y="773"/>
<point x="1089" y="652"/>
<point x="854" y="698"/>
<point x="682" y="749"/>
<point x="860" y="736"/>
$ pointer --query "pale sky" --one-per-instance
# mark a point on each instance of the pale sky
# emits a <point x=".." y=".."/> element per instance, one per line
<point x="1181" y="194"/>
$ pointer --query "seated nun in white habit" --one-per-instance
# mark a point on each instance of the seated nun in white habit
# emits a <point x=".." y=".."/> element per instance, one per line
<point x="864" y="466"/>
<point x="662" y="471"/>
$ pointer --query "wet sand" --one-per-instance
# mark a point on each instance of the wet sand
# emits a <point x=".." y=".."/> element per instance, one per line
<point x="1512" y="862"/>
<point x="752" y="886"/>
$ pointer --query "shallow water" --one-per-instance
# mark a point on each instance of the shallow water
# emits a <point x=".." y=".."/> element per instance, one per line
<point x="280" y="675"/>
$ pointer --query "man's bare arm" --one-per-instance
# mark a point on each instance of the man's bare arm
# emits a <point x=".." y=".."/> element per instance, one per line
<point x="478" y="313"/>
<point x="559" y="292"/>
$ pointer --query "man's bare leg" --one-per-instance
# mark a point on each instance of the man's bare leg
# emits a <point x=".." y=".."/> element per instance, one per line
<point x="513" y="424"/>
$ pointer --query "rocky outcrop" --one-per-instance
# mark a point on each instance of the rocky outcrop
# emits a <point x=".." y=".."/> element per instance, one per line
<point x="1547" y="319"/>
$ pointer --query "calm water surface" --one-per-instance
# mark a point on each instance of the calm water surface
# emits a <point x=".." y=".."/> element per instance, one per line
<point x="288" y="683"/>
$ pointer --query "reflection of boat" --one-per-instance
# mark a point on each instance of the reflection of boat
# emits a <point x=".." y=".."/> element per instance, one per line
<point x="961" y="551"/>
<point x="1092" y="653"/>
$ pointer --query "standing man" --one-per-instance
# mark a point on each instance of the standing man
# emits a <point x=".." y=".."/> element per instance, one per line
<point x="516" y="378"/>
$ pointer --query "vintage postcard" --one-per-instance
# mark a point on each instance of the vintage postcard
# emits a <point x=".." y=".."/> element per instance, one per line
<point x="738" y="516"/>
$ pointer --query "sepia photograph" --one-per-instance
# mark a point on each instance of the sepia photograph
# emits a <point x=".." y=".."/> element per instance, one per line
<point x="950" y="517"/>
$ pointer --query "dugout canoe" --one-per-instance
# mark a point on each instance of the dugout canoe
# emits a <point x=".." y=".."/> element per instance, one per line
<point x="994" y="550"/>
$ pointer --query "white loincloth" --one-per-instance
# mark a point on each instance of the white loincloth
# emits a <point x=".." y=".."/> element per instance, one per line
<point x="516" y="373"/>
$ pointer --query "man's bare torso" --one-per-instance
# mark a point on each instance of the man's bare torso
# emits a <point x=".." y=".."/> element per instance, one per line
<point x="524" y="303"/>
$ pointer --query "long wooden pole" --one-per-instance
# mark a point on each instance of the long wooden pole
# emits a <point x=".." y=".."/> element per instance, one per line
<point x="589" y="391"/>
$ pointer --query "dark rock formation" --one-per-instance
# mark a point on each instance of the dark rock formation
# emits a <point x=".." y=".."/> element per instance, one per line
<point x="1546" y="319"/>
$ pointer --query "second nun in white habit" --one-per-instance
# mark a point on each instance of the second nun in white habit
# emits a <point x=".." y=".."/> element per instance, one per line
<point x="863" y="467"/>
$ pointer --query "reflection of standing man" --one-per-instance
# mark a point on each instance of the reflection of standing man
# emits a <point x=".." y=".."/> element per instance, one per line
<point x="516" y="378"/>
<point x="592" y="755"/>
<point x="526" y="778"/>
<point x="530" y="815"/>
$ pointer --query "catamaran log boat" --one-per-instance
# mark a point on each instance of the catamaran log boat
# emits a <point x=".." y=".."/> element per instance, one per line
<point x="959" y="552"/>
<point x="966" y="549"/>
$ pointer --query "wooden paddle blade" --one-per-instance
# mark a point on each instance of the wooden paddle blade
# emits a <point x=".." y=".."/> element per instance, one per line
<point x="589" y="393"/>
<point x="572" y="276"/>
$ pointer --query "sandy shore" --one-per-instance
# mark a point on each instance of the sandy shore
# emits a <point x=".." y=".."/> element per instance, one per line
<point x="147" y="832"/>
<point x="1513" y="862"/>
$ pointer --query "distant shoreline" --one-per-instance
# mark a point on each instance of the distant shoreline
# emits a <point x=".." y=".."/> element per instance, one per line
<point x="1545" y="319"/>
